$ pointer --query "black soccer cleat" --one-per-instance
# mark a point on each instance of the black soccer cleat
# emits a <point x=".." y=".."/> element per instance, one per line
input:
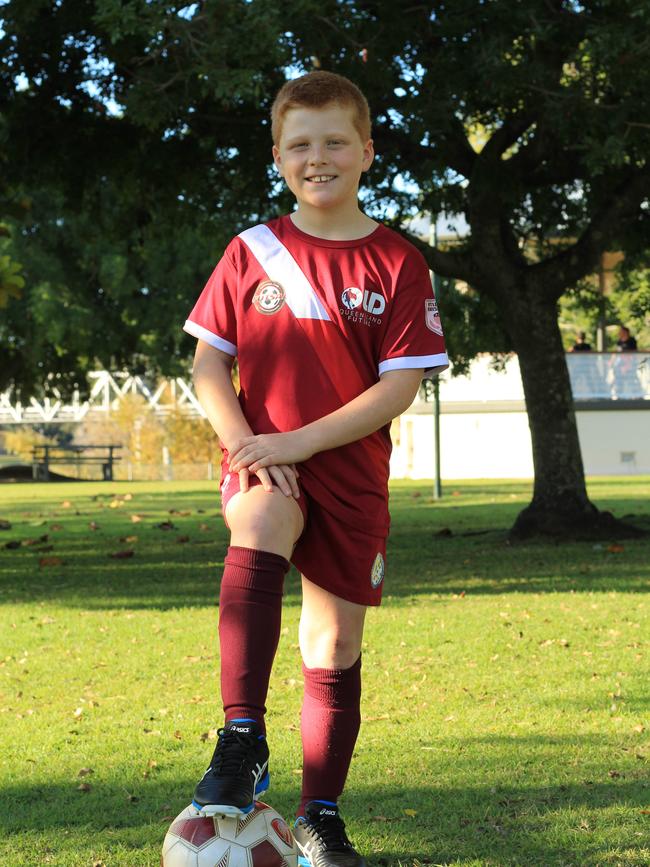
<point x="321" y="839"/>
<point x="238" y="772"/>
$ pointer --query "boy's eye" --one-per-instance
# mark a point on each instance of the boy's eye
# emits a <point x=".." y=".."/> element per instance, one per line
<point x="300" y="144"/>
<point x="335" y="141"/>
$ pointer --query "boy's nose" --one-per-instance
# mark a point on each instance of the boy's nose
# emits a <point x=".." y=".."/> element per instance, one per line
<point x="318" y="156"/>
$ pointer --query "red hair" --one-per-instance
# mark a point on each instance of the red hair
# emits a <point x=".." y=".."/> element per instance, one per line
<point x="316" y="90"/>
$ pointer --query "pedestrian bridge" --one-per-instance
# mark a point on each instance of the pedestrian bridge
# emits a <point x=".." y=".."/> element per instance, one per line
<point x="595" y="376"/>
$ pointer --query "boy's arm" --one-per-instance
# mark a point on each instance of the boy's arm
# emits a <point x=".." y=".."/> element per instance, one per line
<point x="211" y="373"/>
<point x="363" y="415"/>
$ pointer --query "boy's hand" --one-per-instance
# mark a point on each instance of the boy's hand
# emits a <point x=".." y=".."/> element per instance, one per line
<point x="286" y="478"/>
<point x="268" y="450"/>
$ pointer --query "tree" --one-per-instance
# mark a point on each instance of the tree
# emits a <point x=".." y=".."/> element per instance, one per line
<point x="526" y="117"/>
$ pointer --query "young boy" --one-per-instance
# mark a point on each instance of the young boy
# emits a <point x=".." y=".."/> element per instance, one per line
<point x="333" y="321"/>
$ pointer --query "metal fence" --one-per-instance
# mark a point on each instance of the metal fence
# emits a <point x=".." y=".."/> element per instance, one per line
<point x="609" y="375"/>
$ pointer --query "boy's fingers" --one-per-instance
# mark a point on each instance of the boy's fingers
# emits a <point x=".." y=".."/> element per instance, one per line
<point x="281" y="480"/>
<point x="243" y="480"/>
<point x="290" y="476"/>
<point x="263" y="475"/>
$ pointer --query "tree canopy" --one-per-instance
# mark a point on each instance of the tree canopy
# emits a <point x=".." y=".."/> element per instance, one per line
<point x="139" y="133"/>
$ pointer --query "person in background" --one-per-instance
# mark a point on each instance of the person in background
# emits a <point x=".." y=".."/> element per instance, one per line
<point x="625" y="342"/>
<point x="581" y="344"/>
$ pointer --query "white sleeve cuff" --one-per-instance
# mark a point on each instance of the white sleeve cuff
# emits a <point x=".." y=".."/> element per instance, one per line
<point x="213" y="339"/>
<point x="432" y="364"/>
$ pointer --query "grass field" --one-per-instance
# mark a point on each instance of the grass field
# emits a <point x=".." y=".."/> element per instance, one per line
<point x="506" y="704"/>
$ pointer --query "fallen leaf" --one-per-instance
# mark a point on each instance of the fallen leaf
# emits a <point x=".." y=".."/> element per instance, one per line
<point x="151" y="731"/>
<point x="122" y="555"/>
<point x="84" y="787"/>
<point x="56" y="527"/>
<point x="50" y="561"/>
<point x="178" y="735"/>
<point x="127" y="497"/>
<point x="165" y="525"/>
<point x="446" y="531"/>
<point x="210" y="735"/>
<point x="614" y="774"/>
<point x="128" y="539"/>
<point x="182" y="540"/>
<point x="203" y="527"/>
<point x="84" y="772"/>
<point x="380" y="818"/>
<point x="66" y="504"/>
<point x="93" y="525"/>
<point x="615" y="548"/>
<point x="39" y="540"/>
<point x="410" y="812"/>
<point x="78" y="713"/>
<point x="10" y="546"/>
<point x="136" y="518"/>
<point x="639" y="729"/>
<point x="4" y="524"/>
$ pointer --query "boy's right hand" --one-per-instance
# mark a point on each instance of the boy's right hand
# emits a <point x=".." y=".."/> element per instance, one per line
<point x="284" y="476"/>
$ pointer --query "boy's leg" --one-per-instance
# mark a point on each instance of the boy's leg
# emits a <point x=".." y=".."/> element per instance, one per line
<point x="331" y="631"/>
<point x="264" y="528"/>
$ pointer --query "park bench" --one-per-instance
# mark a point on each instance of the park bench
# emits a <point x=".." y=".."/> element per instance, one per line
<point x="44" y="456"/>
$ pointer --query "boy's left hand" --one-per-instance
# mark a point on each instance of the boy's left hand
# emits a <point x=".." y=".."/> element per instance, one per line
<point x="265" y="450"/>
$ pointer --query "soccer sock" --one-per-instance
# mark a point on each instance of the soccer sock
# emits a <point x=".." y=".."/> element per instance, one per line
<point x="250" y="612"/>
<point x="329" y="725"/>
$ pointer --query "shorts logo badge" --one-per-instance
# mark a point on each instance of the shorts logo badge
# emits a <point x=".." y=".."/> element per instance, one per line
<point x="432" y="317"/>
<point x="269" y="297"/>
<point x="377" y="572"/>
<point x="351" y="297"/>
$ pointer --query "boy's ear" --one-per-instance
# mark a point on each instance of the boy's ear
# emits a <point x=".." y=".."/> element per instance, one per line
<point x="276" y="158"/>
<point x="368" y="154"/>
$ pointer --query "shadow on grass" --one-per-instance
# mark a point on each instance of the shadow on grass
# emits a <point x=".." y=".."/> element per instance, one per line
<point x="511" y="825"/>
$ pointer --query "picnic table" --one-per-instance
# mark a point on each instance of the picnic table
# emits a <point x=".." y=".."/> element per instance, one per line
<point x="44" y="456"/>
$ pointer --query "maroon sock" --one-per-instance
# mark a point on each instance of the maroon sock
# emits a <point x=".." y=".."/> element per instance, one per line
<point x="250" y="612"/>
<point x="330" y="725"/>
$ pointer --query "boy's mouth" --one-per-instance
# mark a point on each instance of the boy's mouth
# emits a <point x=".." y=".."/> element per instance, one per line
<point x="321" y="179"/>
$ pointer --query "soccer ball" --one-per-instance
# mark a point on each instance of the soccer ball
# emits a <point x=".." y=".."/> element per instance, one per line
<point x="259" y="839"/>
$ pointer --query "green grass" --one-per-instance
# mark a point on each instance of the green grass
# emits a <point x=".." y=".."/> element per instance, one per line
<point x="506" y="710"/>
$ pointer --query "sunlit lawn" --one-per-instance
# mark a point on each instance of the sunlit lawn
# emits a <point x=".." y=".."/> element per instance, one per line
<point x="506" y="710"/>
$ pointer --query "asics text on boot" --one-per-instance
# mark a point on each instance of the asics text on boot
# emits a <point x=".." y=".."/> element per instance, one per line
<point x="238" y="772"/>
<point x="321" y="838"/>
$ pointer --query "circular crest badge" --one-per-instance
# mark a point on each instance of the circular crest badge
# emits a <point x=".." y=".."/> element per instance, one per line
<point x="377" y="572"/>
<point x="351" y="297"/>
<point x="269" y="297"/>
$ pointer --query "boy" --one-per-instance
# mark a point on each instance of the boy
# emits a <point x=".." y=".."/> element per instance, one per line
<point x="333" y="320"/>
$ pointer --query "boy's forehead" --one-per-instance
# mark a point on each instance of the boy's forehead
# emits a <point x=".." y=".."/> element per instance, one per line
<point x="331" y="117"/>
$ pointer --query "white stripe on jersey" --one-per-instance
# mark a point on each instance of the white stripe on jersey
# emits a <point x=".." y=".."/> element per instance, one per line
<point x="282" y="268"/>
<point x="202" y="333"/>
<point x="430" y="363"/>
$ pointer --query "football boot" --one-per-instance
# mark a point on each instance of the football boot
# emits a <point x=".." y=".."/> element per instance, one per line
<point x="238" y="772"/>
<point x="321" y="839"/>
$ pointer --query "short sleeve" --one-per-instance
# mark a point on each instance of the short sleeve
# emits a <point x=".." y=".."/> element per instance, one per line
<point x="213" y="318"/>
<point x="414" y="336"/>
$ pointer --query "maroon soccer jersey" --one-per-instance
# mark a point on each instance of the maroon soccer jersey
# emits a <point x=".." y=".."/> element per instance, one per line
<point x="314" y="323"/>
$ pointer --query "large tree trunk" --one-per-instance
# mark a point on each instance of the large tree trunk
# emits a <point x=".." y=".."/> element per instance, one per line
<point x="560" y="506"/>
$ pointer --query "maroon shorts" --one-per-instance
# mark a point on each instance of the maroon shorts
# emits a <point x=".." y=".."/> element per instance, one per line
<point x="347" y="562"/>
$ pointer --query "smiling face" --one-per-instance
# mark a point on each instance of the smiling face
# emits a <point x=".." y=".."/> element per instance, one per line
<point x="321" y="156"/>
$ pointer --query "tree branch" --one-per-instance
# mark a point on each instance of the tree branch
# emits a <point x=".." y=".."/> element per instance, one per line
<point x="447" y="263"/>
<point x="555" y="274"/>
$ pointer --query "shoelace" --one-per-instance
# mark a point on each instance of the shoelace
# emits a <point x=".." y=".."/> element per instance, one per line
<point x="232" y="749"/>
<point x="330" y="830"/>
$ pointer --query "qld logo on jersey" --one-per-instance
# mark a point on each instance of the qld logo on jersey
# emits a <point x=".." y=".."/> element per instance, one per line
<point x="365" y="307"/>
<point x="432" y="317"/>
<point x="377" y="572"/>
<point x="269" y="297"/>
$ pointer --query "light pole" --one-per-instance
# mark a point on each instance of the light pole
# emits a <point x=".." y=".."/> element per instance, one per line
<point x="437" y="485"/>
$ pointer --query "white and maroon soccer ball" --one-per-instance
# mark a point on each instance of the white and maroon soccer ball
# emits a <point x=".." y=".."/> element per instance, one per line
<point x="260" y="839"/>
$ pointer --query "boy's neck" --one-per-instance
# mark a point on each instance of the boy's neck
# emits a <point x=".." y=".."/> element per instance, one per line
<point x="331" y="226"/>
